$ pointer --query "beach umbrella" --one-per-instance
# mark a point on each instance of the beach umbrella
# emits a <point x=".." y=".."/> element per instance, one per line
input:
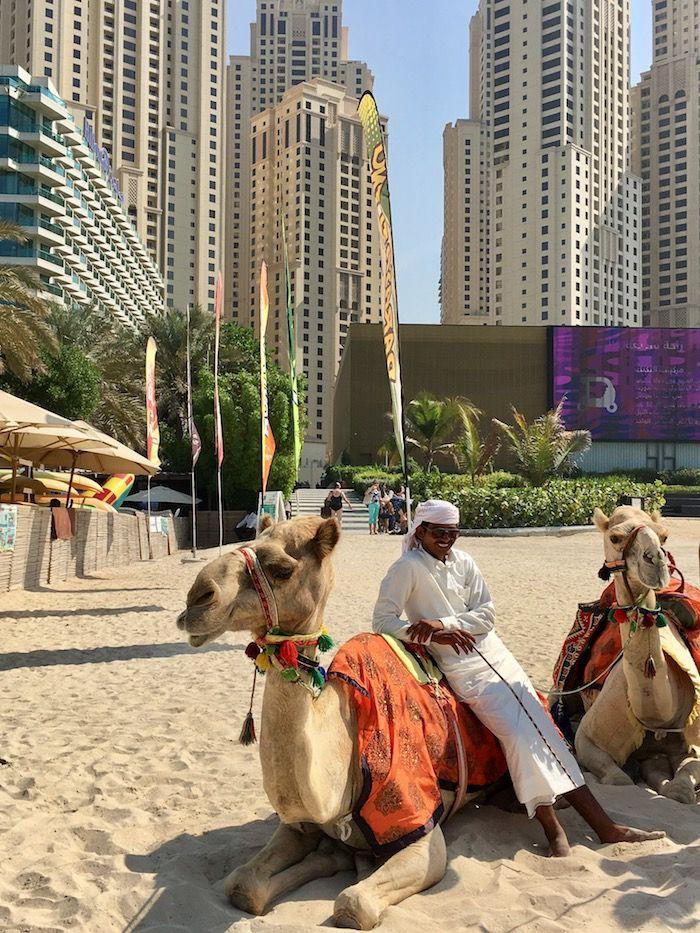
<point x="163" y="494"/>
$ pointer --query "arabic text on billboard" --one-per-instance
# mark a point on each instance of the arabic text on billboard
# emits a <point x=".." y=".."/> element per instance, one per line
<point x="629" y="384"/>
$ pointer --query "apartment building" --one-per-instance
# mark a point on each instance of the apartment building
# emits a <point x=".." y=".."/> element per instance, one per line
<point x="666" y="153"/>
<point x="549" y="86"/>
<point x="309" y="170"/>
<point x="149" y="75"/>
<point x="291" y="41"/>
<point x="57" y="183"/>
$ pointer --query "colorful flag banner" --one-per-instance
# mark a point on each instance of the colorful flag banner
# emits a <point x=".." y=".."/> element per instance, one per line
<point x="195" y="439"/>
<point x="292" y="339"/>
<point x="218" y="430"/>
<point x="376" y="151"/>
<point x="268" y="440"/>
<point x="152" y="429"/>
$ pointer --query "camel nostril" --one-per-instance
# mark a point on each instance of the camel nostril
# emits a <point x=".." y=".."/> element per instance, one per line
<point x="204" y="598"/>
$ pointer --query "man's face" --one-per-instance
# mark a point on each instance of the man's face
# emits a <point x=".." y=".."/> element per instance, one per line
<point x="437" y="540"/>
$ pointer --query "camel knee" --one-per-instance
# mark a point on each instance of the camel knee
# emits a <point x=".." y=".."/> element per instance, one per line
<point x="599" y="762"/>
<point x="246" y="891"/>
<point x="681" y="788"/>
<point x="356" y="909"/>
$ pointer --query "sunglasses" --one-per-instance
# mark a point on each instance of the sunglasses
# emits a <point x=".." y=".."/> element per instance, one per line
<point x="438" y="531"/>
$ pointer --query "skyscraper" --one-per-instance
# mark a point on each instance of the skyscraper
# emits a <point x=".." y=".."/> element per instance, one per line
<point x="149" y="76"/>
<point x="290" y="41"/>
<point x="296" y="152"/>
<point x="549" y="86"/>
<point x="666" y="153"/>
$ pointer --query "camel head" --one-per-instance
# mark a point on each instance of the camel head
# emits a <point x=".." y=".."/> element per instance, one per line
<point x="294" y="557"/>
<point x="646" y="561"/>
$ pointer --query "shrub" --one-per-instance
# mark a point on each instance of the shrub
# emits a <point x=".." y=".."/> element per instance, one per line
<point x="557" y="502"/>
<point x="682" y="477"/>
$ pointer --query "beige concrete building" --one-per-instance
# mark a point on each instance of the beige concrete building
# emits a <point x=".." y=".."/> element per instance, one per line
<point x="149" y="76"/>
<point x="666" y="153"/>
<point x="550" y="87"/>
<point x="309" y="170"/>
<point x="291" y="41"/>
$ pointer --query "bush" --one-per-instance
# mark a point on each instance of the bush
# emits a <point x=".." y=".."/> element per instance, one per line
<point x="683" y="477"/>
<point x="557" y="502"/>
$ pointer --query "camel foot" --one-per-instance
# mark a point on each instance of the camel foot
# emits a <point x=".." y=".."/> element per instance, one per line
<point x="617" y="777"/>
<point x="620" y="833"/>
<point x="354" y="910"/>
<point x="244" y="892"/>
<point x="681" y="788"/>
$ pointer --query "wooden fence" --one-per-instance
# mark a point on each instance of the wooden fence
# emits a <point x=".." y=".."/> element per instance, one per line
<point x="101" y="540"/>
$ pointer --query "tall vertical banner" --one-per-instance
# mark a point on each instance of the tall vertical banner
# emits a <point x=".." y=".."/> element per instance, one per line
<point x="195" y="439"/>
<point x="218" y="428"/>
<point x="292" y="342"/>
<point x="267" y="438"/>
<point x="152" y="429"/>
<point x="376" y="152"/>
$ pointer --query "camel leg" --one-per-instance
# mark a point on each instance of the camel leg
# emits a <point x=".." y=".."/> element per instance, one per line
<point x="413" y="869"/>
<point x="686" y="780"/>
<point x="328" y="859"/>
<point x="593" y="758"/>
<point x="656" y="772"/>
<point x="248" y="887"/>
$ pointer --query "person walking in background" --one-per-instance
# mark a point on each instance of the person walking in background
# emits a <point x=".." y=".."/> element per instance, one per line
<point x="371" y="500"/>
<point x="335" y="499"/>
<point x="247" y="527"/>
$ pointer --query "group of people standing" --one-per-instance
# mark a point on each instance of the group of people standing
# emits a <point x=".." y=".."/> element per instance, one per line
<point x="387" y="510"/>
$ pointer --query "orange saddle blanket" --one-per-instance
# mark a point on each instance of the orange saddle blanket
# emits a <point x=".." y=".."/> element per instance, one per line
<point x="407" y="747"/>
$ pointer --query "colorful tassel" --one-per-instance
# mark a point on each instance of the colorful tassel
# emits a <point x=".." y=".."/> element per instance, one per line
<point x="620" y="615"/>
<point x="262" y="662"/>
<point x="650" y="668"/>
<point x="661" y="621"/>
<point x="288" y="654"/>
<point x="318" y="678"/>
<point x="252" y="650"/>
<point x="290" y="674"/>
<point x="325" y="642"/>
<point x="247" y="736"/>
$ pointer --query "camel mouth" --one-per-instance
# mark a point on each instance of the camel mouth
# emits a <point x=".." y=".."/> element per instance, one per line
<point x="197" y="640"/>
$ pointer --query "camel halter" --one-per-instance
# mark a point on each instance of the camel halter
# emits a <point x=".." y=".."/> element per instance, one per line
<point x="276" y="649"/>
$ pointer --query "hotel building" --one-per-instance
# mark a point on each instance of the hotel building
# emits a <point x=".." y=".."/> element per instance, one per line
<point x="666" y="153"/>
<point x="554" y="237"/>
<point x="309" y="169"/>
<point x="58" y="185"/>
<point x="150" y="77"/>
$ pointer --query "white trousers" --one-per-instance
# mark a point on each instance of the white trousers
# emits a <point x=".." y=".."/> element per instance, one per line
<point x="540" y="770"/>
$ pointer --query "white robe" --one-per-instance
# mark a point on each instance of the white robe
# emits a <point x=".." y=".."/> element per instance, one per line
<point x="423" y="587"/>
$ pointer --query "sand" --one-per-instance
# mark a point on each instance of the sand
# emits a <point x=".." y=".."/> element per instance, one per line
<point x="125" y="798"/>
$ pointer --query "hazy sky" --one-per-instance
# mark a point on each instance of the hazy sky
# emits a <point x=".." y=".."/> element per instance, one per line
<point x="417" y="50"/>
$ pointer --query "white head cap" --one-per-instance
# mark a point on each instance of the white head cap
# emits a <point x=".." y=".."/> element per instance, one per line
<point x="436" y="511"/>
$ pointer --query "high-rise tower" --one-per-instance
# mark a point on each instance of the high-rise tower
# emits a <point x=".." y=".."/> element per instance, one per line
<point x="560" y="210"/>
<point x="148" y="75"/>
<point x="666" y="153"/>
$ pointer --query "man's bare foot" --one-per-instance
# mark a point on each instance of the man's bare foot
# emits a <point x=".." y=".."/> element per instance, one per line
<point x="558" y="844"/>
<point x="617" y="833"/>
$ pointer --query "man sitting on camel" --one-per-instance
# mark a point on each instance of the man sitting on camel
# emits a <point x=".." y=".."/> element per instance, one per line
<point x="449" y="610"/>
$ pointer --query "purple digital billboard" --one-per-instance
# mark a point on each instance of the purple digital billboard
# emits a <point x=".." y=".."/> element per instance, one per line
<point x="629" y="384"/>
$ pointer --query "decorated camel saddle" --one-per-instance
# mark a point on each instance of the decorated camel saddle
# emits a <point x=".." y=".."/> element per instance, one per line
<point x="627" y="680"/>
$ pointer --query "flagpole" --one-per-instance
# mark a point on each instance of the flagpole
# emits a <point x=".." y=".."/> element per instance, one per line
<point x="218" y="427"/>
<point x="150" y="548"/>
<point x="221" y="514"/>
<point x="190" y="427"/>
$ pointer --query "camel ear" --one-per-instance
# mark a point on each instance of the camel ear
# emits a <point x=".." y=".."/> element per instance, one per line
<point x="326" y="538"/>
<point x="656" y="517"/>
<point x="266" y="522"/>
<point x="601" y="520"/>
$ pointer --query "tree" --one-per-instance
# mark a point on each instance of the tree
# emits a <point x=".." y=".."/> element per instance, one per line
<point x="24" y="331"/>
<point x="388" y="453"/>
<point x="543" y="448"/>
<point x="433" y="424"/>
<point x="474" y="453"/>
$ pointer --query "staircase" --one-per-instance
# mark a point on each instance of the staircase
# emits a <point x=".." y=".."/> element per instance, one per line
<point x="309" y="502"/>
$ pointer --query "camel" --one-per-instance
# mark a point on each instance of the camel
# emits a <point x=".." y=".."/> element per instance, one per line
<point x="637" y="707"/>
<point x="311" y="777"/>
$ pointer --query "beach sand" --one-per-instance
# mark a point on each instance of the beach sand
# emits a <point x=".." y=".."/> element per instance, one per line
<point x="125" y="797"/>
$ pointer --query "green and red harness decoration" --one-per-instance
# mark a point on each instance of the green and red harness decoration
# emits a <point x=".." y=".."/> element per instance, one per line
<point x="638" y="616"/>
<point x="278" y="650"/>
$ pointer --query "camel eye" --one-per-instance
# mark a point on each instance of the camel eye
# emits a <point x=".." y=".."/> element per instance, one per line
<point x="281" y="571"/>
<point x="617" y="540"/>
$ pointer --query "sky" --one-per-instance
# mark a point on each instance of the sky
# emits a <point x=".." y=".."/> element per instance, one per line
<point x="418" y="52"/>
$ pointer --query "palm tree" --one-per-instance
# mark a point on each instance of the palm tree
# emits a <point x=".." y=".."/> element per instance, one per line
<point x="389" y="452"/>
<point x="24" y="331"/>
<point x="117" y="352"/>
<point x="433" y="424"/>
<point x="544" y="448"/>
<point x="474" y="453"/>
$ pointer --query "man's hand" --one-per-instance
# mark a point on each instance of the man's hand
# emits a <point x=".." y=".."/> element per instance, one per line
<point x="425" y="630"/>
<point x="460" y="641"/>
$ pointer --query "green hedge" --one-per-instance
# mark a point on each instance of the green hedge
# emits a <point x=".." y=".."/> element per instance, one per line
<point x="558" y="502"/>
<point x="434" y="485"/>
